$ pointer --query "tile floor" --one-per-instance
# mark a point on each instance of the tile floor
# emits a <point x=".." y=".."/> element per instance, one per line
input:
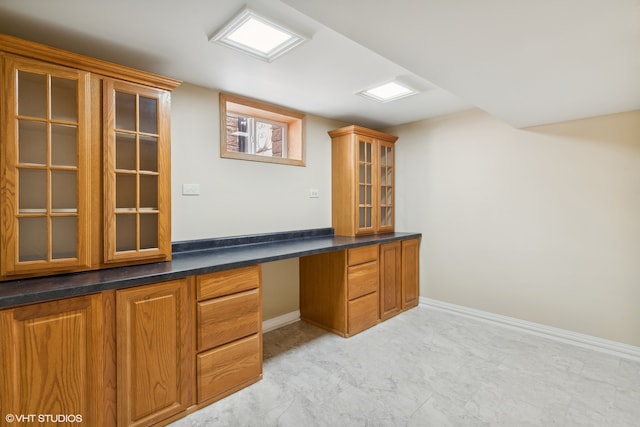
<point x="430" y="368"/>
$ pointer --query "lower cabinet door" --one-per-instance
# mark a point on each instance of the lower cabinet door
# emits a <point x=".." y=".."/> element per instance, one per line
<point x="362" y="313"/>
<point x="228" y="368"/>
<point x="154" y="352"/>
<point x="390" y="279"/>
<point x="52" y="363"/>
<point x="410" y="273"/>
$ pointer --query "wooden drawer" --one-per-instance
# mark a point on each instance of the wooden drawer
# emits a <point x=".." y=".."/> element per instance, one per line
<point x="363" y="254"/>
<point x="362" y="279"/>
<point x="226" y="319"/>
<point x="227" y="282"/>
<point x="228" y="368"/>
<point x="362" y="313"/>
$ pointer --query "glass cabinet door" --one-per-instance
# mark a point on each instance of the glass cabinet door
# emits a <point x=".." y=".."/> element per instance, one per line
<point x="365" y="185"/>
<point x="385" y="189"/>
<point x="136" y="172"/>
<point x="45" y="172"/>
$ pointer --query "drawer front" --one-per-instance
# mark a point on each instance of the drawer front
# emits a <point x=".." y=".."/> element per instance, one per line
<point x="361" y="255"/>
<point x="228" y="282"/>
<point x="362" y="279"/>
<point x="362" y="313"/>
<point x="228" y="367"/>
<point x="226" y="319"/>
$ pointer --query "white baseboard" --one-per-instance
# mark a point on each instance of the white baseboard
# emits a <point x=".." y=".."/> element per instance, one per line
<point x="280" y="321"/>
<point x="587" y="341"/>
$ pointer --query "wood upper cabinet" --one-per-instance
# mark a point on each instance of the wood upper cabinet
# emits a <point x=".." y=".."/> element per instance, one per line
<point x="363" y="181"/>
<point x="52" y="360"/>
<point x="154" y="352"/>
<point x="84" y="162"/>
<point x="44" y="167"/>
<point x="136" y="172"/>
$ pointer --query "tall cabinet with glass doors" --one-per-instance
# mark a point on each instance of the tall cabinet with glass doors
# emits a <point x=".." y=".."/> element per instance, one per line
<point x="363" y="174"/>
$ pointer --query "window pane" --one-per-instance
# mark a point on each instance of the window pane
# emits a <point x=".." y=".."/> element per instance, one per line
<point x="64" y="232"/>
<point x="32" y="142"/>
<point x="148" y="153"/>
<point x="64" y="99"/>
<point x="32" y="189"/>
<point x="32" y="94"/>
<point x="64" y="150"/>
<point x="125" y="151"/>
<point x="148" y="115"/>
<point x="125" y="191"/>
<point x="33" y="239"/>
<point x="64" y="191"/>
<point x="125" y="111"/>
<point x="148" y="231"/>
<point x="148" y="192"/>
<point x="125" y="233"/>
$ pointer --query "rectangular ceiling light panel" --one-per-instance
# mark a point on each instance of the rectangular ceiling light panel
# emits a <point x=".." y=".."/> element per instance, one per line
<point x="257" y="36"/>
<point x="388" y="92"/>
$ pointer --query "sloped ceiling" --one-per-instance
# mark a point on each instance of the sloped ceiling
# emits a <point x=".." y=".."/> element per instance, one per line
<point x="527" y="63"/>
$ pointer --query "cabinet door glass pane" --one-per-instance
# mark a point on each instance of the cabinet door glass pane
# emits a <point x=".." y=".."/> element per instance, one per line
<point x="32" y="94"/>
<point x="33" y="239"/>
<point x="125" y="111"/>
<point x="64" y="146"/>
<point x="32" y="189"/>
<point x="125" y="151"/>
<point x="32" y="142"/>
<point x="148" y="153"/>
<point x="125" y="191"/>
<point x="64" y="191"/>
<point x="64" y="99"/>
<point x="64" y="231"/>
<point x="148" y="192"/>
<point x="125" y="232"/>
<point x="148" y="231"/>
<point x="148" y="115"/>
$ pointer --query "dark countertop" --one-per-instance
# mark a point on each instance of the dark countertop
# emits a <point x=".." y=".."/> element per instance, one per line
<point x="189" y="258"/>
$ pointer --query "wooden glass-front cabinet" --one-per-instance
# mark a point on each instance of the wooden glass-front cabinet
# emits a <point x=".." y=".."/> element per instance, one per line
<point x="363" y="180"/>
<point x="136" y="172"/>
<point x="45" y="170"/>
<point x="84" y="162"/>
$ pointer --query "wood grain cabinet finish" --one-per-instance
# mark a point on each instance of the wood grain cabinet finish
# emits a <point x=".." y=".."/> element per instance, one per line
<point x="84" y="162"/>
<point x="339" y="290"/>
<point x="410" y="273"/>
<point x="390" y="279"/>
<point x="53" y="361"/>
<point x="154" y="352"/>
<point x="229" y="332"/>
<point x="349" y="291"/>
<point x="363" y="181"/>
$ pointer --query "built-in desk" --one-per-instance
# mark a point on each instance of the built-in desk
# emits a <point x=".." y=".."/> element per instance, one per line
<point x="190" y="258"/>
<point x="145" y="345"/>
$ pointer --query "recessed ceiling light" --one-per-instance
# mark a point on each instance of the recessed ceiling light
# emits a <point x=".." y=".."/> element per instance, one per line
<point x="255" y="35"/>
<point x="388" y="92"/>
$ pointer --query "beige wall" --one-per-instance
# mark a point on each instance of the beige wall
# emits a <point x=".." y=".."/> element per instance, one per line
<point x="241" y="197"/>
<point x="541" y="224"/>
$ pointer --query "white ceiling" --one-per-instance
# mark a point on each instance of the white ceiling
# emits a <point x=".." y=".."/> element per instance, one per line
<point x="526" y="62"/>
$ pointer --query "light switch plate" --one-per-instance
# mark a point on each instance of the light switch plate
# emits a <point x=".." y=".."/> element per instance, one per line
<point x="314" y="193"/>
<point x="190" y="189"/>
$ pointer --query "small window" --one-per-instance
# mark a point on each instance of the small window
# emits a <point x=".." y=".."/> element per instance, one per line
<point x="252" y="130"/>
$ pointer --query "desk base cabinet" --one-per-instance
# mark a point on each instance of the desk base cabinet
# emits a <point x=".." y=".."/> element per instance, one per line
<point x="352" y="290"/>
<point x="339" y="290"/>
<point x="229" y="332"/>
<point x="53" y="361"/>
<point x="154" y="352"/>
